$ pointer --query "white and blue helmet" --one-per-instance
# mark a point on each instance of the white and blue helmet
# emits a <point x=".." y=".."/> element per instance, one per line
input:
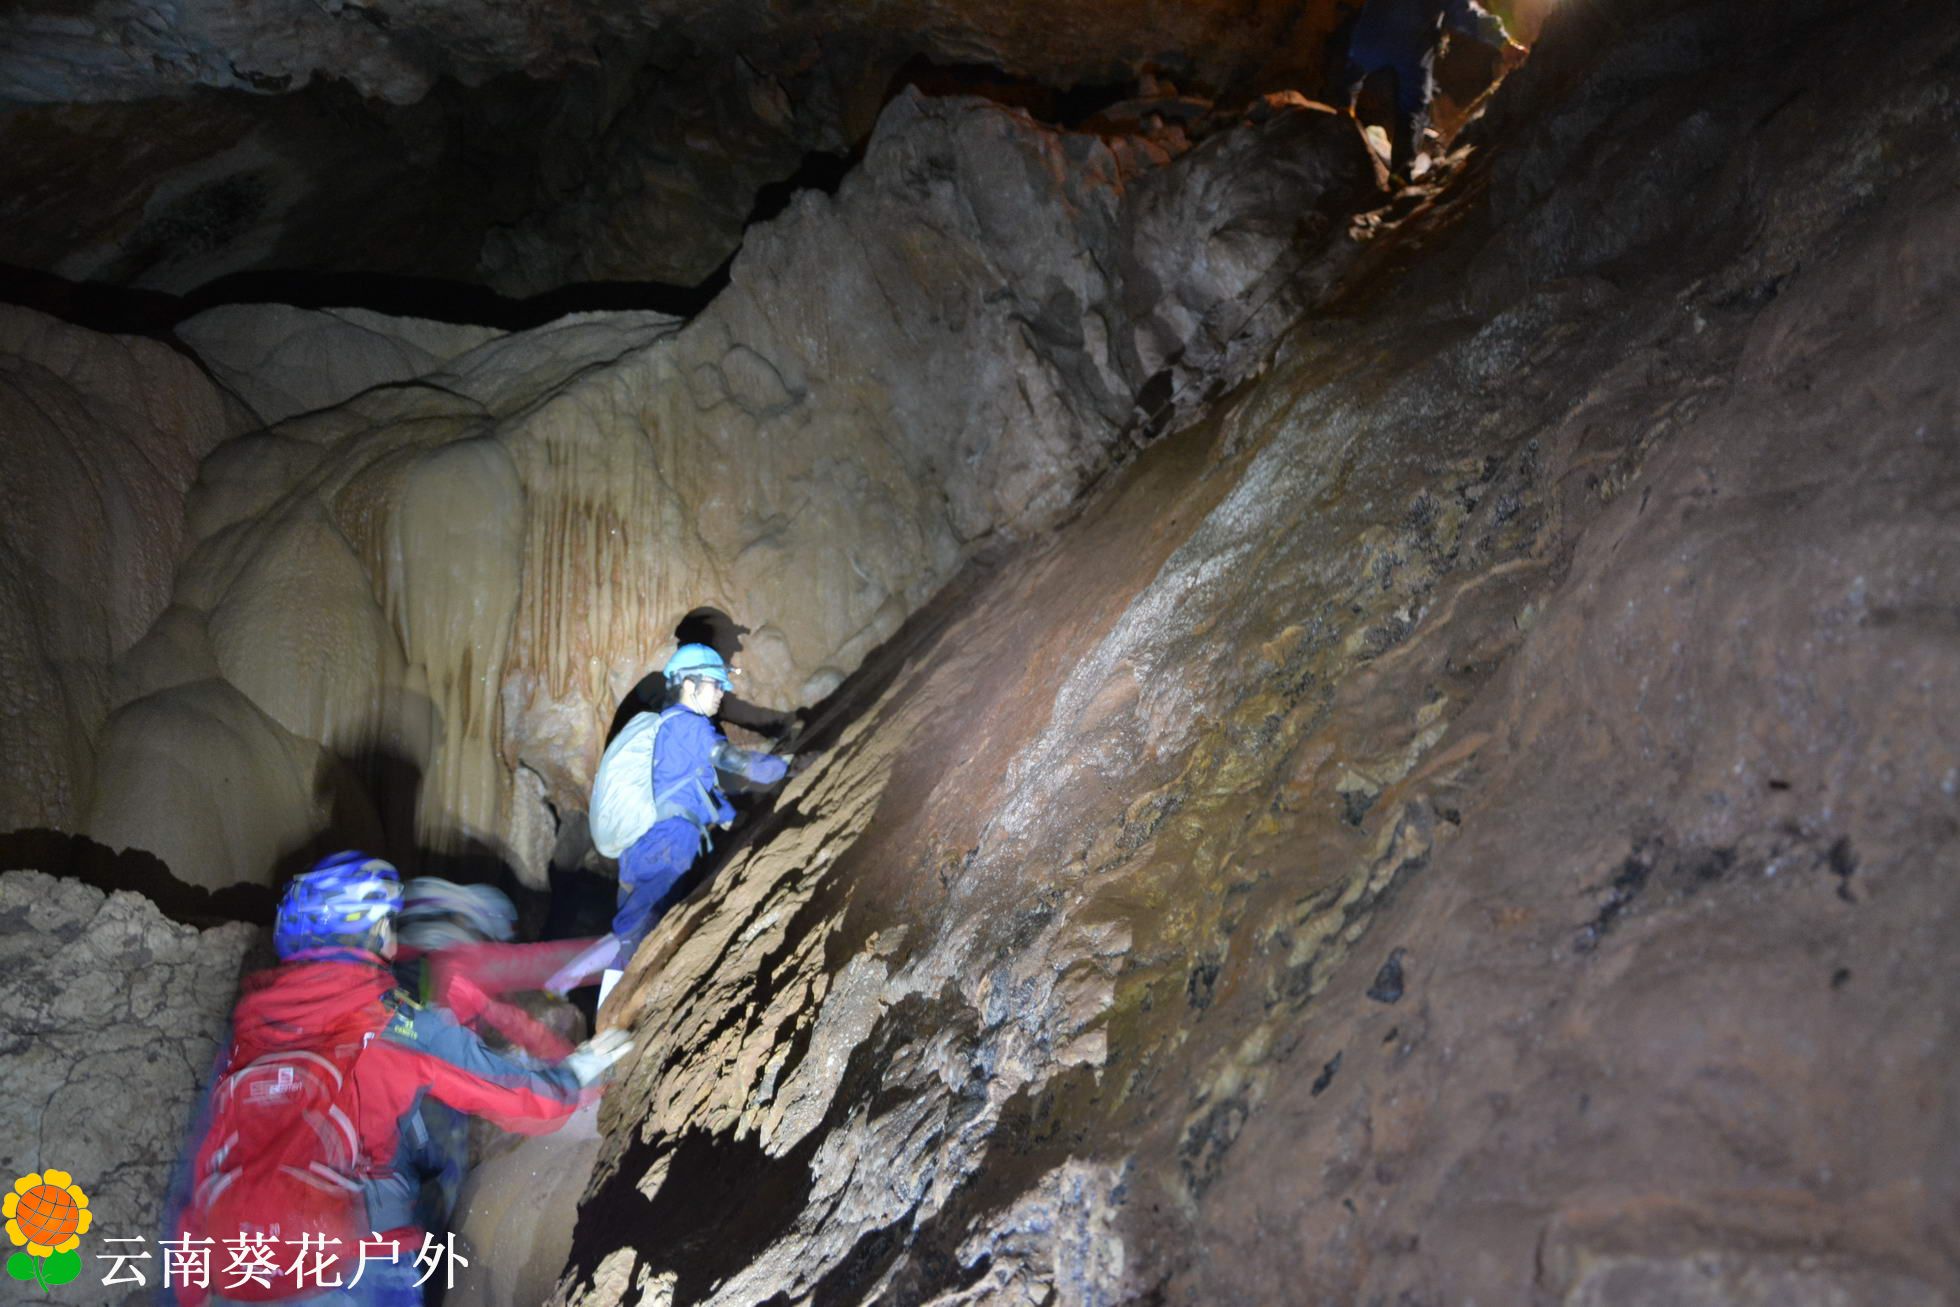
<point x="346" y="900"/>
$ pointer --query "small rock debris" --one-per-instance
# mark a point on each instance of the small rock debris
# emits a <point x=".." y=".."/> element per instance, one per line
<point x="1326" y="1076"/>
<point x="1388" y="980"/>
<point x="1844" y="865"/>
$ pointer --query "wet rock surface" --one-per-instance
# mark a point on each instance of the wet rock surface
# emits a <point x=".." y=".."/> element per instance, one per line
<point x="1576" y="641"/>
<point x="112" y="1021"/>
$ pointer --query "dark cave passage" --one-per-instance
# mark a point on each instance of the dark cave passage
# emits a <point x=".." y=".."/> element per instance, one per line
<point x="1317" y="705"/>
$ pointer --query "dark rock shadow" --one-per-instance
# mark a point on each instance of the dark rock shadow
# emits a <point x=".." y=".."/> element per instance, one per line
<point x="723" y="634"/>
<point x="373" y="795"/>
<point x="77" y="857"/>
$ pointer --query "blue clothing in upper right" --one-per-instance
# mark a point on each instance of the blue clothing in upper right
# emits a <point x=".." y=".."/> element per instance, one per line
<point x="686" y="753"/>
<point x="1403" y="35"/>
<point x="1392" y="33"/>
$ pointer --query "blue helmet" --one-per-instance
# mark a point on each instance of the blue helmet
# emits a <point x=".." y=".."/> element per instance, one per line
<point x="697" y="660"/>
<point x="348" y="899"/>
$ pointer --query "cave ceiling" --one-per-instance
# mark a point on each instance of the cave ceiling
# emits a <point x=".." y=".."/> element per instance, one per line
<point x="528" y="147"/>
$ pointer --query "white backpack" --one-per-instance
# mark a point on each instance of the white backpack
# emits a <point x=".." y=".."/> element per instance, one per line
<point x="623" y="807"/>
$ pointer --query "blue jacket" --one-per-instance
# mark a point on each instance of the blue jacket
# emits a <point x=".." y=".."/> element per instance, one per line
<point x="685" y="756"/>
<point x="661" y="767"/>
<point x="1403" y="33"/>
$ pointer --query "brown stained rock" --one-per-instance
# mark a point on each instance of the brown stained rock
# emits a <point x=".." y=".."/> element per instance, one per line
<point x="1586" y="648"/>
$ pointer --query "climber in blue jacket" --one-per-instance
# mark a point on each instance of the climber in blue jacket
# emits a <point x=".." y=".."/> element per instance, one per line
<point x="1403" y="35"/>
<point x="656" y="795"/>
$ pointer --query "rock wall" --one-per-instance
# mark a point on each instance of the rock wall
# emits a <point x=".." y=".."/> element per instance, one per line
<point x="284" y="45"/>
<point x="100" y="436"/>
<point x="283" y="361"/>
<point x="113" y="1021"/>
<point x="464" y="568"/>
<point x="528" y="147"/>
<point x="1464" y="824"/>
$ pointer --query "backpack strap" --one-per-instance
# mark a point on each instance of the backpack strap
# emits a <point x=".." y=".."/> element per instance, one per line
<point x="666" y="803"/>
<point x="399" y="1003"/>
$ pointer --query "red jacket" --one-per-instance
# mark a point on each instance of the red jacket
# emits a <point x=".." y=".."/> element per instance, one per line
<point x="470" y="980"/>
<point x="414" y="1051"/>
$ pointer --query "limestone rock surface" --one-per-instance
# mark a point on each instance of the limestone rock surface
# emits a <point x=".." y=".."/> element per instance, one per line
<point x="462" y="551"/>
<point x="515" y="1215"/>
<point x="126" y="51"/>
<point x="100" y="438"/>
<point x="284" y="361"/>
<point x="530" y="146"/>
<point x="113" y="1017"/>
<point x="1466" y="823"/>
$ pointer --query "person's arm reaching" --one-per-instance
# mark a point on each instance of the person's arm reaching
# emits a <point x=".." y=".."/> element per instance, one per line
<point x="428" y="1046"/>
<point x="749" y="764"/>
<point x="467" y="1002"/>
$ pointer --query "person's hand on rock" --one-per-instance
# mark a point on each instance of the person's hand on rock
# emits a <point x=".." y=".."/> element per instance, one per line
<point x="596" y="1057"/>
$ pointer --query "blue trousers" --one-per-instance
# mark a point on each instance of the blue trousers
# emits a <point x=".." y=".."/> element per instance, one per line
<point x="648" y="872"/>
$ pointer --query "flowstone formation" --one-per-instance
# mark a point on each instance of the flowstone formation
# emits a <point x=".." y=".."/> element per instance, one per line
<point x="454" y="552"/>
<point x="100" y="437"/>
<point x="1465" y="822"/>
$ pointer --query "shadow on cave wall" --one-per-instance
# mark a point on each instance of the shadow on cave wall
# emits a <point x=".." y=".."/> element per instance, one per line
<point x="125" y="310"/>
<point x="722" y="633"/>
<point x="371" y="797"/>
<point x="77" y="857"/>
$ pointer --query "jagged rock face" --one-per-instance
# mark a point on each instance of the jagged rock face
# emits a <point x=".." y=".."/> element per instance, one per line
<point x="172" y="194"/>
<point x="113" y="1019"/>
<point x="99" y="436"/>
<point x="1466" y="824"/>
<point x="466" y="566"/>
<point x="528" y="146"/>
<point x="398" y="55"/>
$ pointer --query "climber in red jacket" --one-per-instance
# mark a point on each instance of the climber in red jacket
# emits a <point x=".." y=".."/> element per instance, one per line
<point x="302" y="1162"/>
<point x="456" y="953"/>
